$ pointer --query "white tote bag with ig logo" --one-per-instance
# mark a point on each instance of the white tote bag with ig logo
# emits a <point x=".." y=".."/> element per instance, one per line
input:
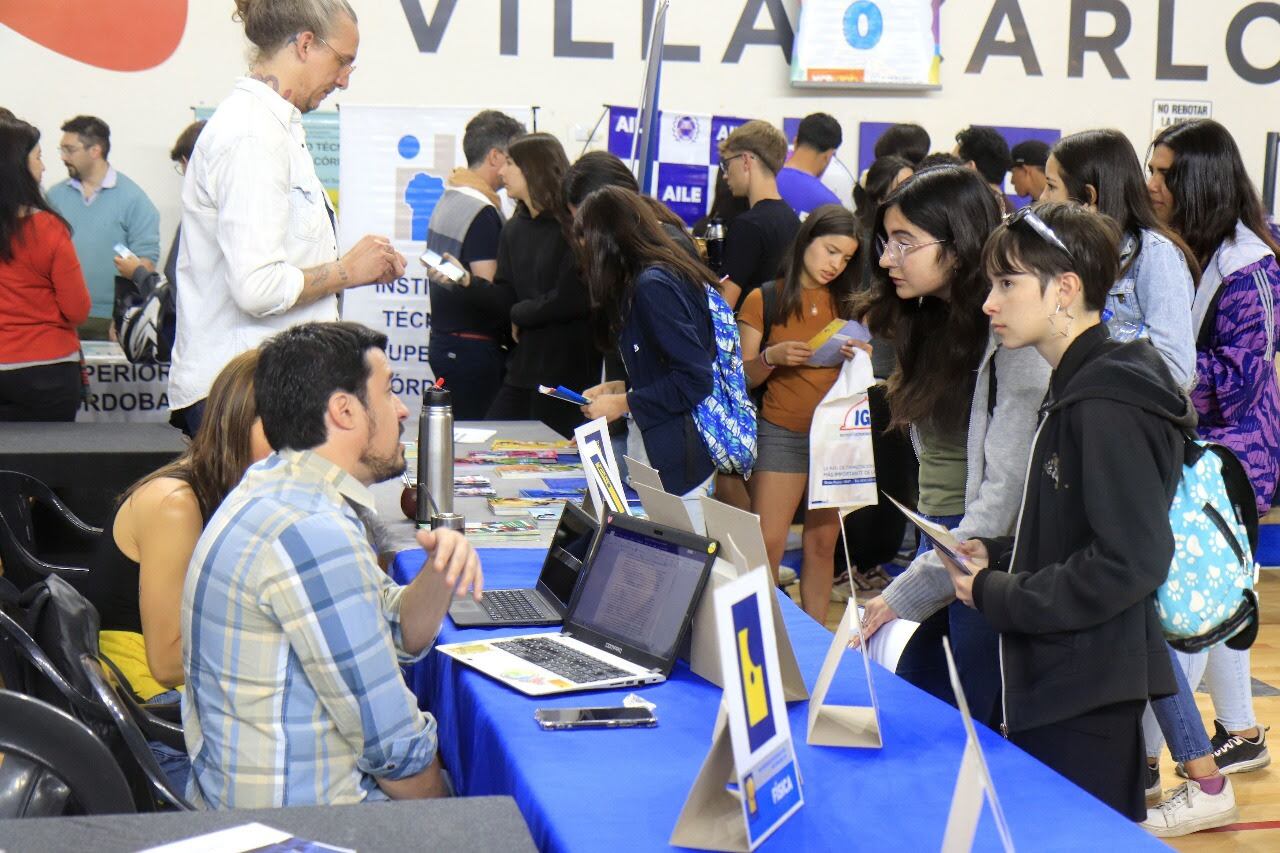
<point x="842" y="466"/>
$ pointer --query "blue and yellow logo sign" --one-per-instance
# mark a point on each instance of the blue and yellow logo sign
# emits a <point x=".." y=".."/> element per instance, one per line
<point x="751" y="668"/>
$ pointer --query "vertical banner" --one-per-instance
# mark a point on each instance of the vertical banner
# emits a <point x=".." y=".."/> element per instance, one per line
<point x="395" y="163"/>
<point x="688" y="156"/>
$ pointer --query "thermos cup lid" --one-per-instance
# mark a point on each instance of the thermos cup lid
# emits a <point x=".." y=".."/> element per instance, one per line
<point x="434" y="396"/>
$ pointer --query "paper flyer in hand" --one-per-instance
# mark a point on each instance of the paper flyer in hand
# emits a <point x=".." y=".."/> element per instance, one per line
<point x="562" y="393"/>
<point x="826" y="345"/>
<point x="940" y="536"/>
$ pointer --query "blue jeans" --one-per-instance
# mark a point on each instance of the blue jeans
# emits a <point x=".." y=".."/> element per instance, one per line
<point x="975" y="645"/>
<point x="1179" y="721"/>
<point x="175" y="764"/>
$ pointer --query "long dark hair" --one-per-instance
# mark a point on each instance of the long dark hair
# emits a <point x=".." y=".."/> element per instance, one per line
<point x="215" y="461"/>
<point x="938" y="343"/>
<point x="541" y="158"/>
<point x="597" y="169"/>
<point x="1211" y="189"/>
<point x="20" y="193"/>
<point x="824" y="221"/>
<point x="877" y="184"/>
<point x="1106" y="161"/>
<point x="618" y="237"/>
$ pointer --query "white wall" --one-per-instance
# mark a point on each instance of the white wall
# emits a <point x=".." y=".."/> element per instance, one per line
<point x="147" y="109"/>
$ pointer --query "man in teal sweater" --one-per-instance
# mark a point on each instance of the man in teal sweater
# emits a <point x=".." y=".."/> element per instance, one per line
<point x="104" y="208"/>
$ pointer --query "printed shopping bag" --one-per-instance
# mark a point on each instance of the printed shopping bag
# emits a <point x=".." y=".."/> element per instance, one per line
<point x="842" y="467"/>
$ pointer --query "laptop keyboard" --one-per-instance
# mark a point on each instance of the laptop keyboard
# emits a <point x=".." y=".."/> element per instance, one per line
<point x="563" y="661"/>
<point x="511" y="605"/>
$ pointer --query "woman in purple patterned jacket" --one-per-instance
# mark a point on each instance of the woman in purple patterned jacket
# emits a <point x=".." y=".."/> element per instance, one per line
<point x="1200" y="188"/>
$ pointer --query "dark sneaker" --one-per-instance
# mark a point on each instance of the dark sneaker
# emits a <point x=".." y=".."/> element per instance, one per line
<point x="1234" y="754"/>
<point x="1153" y="785"/>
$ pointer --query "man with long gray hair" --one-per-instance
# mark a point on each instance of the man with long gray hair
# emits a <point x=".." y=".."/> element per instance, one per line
<point x="259" y="251"/>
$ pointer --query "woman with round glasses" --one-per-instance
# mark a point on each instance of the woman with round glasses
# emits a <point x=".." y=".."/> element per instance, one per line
<point x="970" y="405"/>
<point x="1152" y="298"/>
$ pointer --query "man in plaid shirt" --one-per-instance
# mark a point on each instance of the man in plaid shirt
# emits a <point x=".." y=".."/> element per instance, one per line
<point x="292" y="635"/>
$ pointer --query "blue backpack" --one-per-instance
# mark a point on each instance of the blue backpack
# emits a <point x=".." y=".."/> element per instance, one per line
<point x="1208" y="597"/>
<point x="726" y="420"/>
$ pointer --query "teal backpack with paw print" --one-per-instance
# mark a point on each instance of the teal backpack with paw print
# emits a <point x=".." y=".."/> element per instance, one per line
<point x="1209" y="596"/>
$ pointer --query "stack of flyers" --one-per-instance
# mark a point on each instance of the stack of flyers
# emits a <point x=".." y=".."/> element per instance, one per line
<point x="510" y="457"/>
<point x="554" y="492"/>
<point x="561" y="446"/>
<point x="539" y="472"/>
<point x="517" y="528"/>
<point x="522" y="506"/>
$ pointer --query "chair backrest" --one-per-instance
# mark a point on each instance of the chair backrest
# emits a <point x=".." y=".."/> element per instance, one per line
<point x="19" y="542"/>
<point x="134" y="741"/>
<point x="48" y="737"/>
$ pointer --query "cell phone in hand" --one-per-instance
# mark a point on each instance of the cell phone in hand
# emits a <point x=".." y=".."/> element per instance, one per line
<point x="621" y="717"/>
<point x="449" y="270"/>
<point x="122" y="250"/>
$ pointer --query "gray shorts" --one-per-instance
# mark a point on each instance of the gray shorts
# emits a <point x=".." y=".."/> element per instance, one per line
<point x="780" y="450"/>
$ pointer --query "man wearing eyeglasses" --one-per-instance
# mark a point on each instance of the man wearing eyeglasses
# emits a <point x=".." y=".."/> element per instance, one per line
<point x="757" y="240"/>
<point x="105" y="209"/>
<point x="260" y="250"/>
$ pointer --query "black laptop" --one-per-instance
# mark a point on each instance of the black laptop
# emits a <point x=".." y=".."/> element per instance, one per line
<point x="546" y="603"/>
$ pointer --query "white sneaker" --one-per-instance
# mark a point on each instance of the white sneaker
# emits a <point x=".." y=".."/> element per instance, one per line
<point x="786" y="576"/>
<point x="1189" y="809"/>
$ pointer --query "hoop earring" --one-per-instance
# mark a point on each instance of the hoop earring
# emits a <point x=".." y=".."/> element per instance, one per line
<point x="1052" y="324"/>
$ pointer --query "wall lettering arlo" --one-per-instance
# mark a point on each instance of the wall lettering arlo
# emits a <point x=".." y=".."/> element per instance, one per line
<point x="765" y="22"/>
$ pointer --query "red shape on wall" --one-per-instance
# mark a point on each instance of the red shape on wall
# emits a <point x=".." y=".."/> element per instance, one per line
<point x="119" y="35"/>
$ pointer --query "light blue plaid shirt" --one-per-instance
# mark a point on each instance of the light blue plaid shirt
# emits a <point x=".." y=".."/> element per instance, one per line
<point x="291" y="643"/>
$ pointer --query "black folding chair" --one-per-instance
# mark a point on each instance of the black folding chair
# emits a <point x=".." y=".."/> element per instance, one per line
<point x="40" y="741"/>
<point x="39" y="534"/>
<point x="109" y="697"/>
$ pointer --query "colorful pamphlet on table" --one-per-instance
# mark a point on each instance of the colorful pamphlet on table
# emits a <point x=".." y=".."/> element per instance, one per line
<point x="827" y="344"/>
<point x="562" y="393"/>
<point x="939" y="536"/>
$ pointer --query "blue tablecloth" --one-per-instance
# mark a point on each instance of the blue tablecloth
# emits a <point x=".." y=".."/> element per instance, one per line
<point x="623" y="789"/>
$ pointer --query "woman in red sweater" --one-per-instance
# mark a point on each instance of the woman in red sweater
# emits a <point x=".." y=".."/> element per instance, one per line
<point x="42" y="291"/>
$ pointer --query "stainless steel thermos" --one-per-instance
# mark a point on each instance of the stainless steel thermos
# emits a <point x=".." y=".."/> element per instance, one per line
<point x="435" y="461"/>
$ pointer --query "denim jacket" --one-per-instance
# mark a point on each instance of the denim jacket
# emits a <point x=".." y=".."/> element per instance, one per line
<point x="1153" y="299"/>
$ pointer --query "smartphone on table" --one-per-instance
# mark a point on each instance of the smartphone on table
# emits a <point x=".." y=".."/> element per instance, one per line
<point x="621" y="717"/>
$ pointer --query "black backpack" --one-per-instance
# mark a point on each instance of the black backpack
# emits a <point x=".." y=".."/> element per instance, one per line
<point x="146" y="316"/>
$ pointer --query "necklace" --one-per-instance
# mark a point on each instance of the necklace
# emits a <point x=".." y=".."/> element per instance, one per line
<point x="813" y="307"/>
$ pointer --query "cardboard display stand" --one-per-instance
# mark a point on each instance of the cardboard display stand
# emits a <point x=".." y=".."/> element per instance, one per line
<point x="728" y="524"/>
<point x="604" y="483"/>
<point x="844" y="725"/>
<point x="751" y="745"/>
<point x="641" y="474"/>
<point x="664" y="508"/>
<point x="973" y="782"/>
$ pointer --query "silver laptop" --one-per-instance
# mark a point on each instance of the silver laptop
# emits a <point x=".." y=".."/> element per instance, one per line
<point x="547" y="602"/>
<point x="628" y="615"/>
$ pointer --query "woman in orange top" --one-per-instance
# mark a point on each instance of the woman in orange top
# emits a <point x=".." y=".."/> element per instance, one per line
<point x="42" y="291"/>
<point x="818" y="287"/>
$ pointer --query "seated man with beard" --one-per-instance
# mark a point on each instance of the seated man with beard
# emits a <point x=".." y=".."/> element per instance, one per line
<point x="292" y="635"/>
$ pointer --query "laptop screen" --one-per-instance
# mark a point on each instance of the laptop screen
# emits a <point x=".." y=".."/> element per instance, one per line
<point x="639" y="590"/>
<point x="568" y="551"/>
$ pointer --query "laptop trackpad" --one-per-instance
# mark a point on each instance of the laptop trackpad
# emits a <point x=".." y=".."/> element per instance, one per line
<point x="467" y="608"/>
